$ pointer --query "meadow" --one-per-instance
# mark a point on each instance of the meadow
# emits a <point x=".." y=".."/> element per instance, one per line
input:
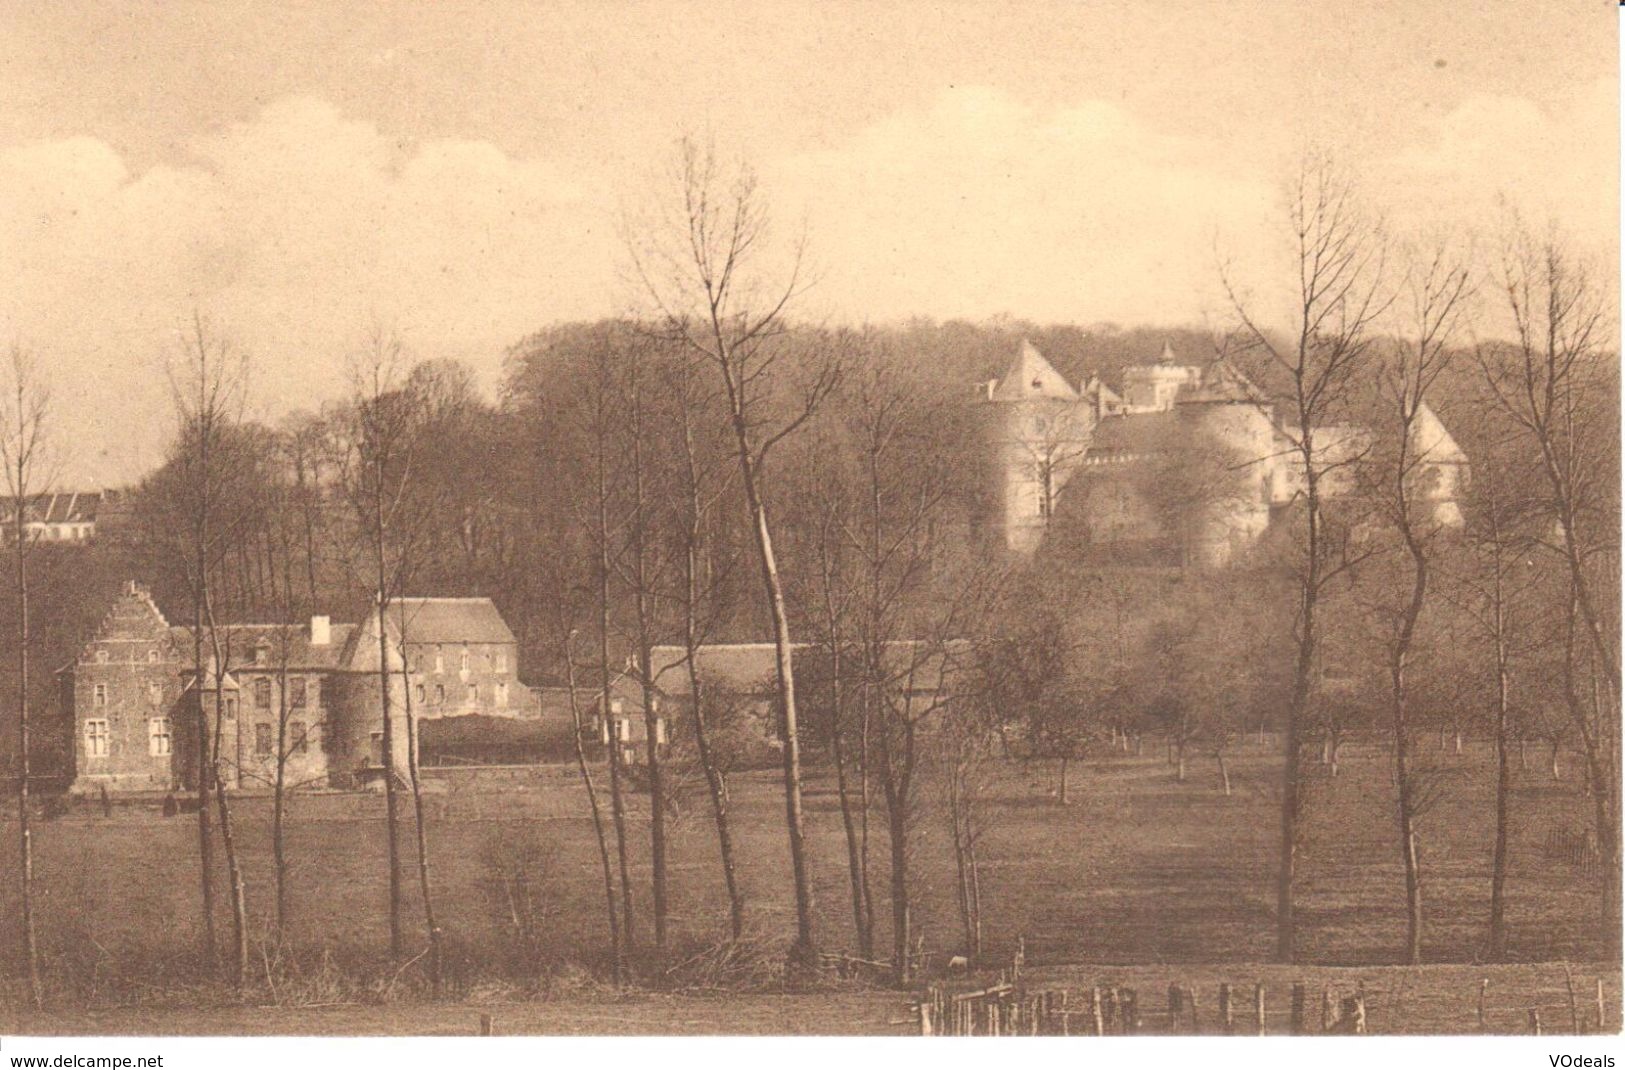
<point x="1140" y="870"/>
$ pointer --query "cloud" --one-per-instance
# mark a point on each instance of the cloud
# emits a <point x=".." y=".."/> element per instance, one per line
<point x="978" y="204"/>
<point x="1556" y="165"/>
<point x="293" y="231"/>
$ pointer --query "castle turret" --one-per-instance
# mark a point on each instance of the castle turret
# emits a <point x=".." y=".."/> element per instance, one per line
<point x="1038" y="431"/>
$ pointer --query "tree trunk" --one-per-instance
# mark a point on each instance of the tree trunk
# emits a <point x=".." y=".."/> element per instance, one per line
<point x="391" y="805"/>
<point x="25" y="841"/>
<point x="651" y="711"/>
<point x="617" y="957"/>
<point x="805" y="947"/>
<point x="437" y="959"/>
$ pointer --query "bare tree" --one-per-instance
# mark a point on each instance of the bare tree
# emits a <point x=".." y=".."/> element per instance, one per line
<point x="701" y="269"/>
<point x="1403" y="471"/>
<point x="702" y="475"/>
<point x="1556" y="383"/>
<point x="383" y="434"/>
<point x="24" y="412"/>
<point x="210" y="383"/>
<point x="1338" y="295"/>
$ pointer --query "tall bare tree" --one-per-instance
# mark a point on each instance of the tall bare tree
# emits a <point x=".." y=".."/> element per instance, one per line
<point x="702" y="267"/>
<point x="1404" y="469"/>
<point x="1338" y="294"/>
<point x="24" y="412"/>
<point x="210" y="383"/>
<point x="1557" y="383"/>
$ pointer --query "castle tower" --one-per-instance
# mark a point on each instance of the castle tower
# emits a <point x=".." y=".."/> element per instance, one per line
<point x="1154" y="387"/>
<point x="1038" y="429"/>
<point x="1228" y="427"/>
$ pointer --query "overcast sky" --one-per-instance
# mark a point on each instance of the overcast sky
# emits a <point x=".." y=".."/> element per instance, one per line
<point x="300" y="171"/>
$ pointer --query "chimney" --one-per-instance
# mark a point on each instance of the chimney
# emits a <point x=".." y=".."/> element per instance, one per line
<point x="321" y="630"/>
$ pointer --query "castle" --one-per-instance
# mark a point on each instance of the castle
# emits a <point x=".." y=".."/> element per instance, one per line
<point x="305" y="695"/>
<point x="1045" y="437"/>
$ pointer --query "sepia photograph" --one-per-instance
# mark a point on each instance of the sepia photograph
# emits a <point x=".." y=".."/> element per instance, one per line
<point x="913" y="518"/>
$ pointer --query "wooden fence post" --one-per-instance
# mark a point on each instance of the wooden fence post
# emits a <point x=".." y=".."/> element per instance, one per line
<point x="1258" y="1006"/>
<point x="1128" y="1006"/>
<point x="1176" y="1005"/>
<point x="485" y="1025"/>
<point x="1534" y="1021"/>
<point x="1297" y="1008"/>
<point x="1328" y="1010"/>
<point x="1227" y="1021"/>
<point x="1483" y="1019"/>
<point x="1601" y="1028"/>
<point x="1190" y="995"/>
<point x="1097" y="1014"/>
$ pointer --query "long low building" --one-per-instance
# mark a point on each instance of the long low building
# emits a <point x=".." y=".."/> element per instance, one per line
<point x="303" y="697"/>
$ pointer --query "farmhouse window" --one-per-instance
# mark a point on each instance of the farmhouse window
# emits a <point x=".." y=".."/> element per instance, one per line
<point x="100" y="696"/>
<point x="262" y="692"/>
<point x="159" y="740"/>
<point x="98" y="739"/>
<point x="262" y="740"/>
<point x="296" y="692"/>
<point x="296" y="735"/>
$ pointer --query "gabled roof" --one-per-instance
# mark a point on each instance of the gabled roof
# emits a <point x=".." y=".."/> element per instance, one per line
<point x="1433" y="442"/>
<point x="65" y="507"/>
<point x="1029" y="377"/>
<point x="450" y="620"/>
<point x="1222" y="384"/>
<point x="739" y="667"/>
<point x="302" y="653"/>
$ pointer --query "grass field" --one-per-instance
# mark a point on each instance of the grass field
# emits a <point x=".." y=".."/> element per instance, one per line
<point x="1140" y="870"/>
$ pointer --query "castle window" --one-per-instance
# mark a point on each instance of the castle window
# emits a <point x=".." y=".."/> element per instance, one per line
<point x="439" y="694"/>
<point x="231" y="707"/>
<point x="502" y="661"/>
<point x="98" y="738"/>
<point x="422" y="694"/>
<point x="155" y="694"/>
<point x="101" y="657"/>
<point x="262" y="692"/>
<point x="152" y="656"/>
<point x="462" y="661"/>
<point x="439" y="660"/>
<point x="473" y="694"/>
<point x="159" y="739"/>
<point x="502" y="693"/>
<point x="296" y="692"/>
<point x="296" y="733"/>
<point x="262" y="740"/>
<point x="99" y="696"/>
<point x="315" y="690"/>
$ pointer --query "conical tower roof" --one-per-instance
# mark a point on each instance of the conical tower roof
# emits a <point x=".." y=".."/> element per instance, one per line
<point x="1031" y="377"/>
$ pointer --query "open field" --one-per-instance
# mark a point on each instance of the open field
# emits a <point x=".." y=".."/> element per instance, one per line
<point x="1139" y="869"/>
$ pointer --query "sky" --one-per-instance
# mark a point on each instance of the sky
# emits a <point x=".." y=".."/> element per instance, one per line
<point x="300" y="173"/>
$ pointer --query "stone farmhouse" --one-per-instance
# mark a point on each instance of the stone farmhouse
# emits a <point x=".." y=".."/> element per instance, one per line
<point x="1042" y="433"/>
<point x="308" y="694"/>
